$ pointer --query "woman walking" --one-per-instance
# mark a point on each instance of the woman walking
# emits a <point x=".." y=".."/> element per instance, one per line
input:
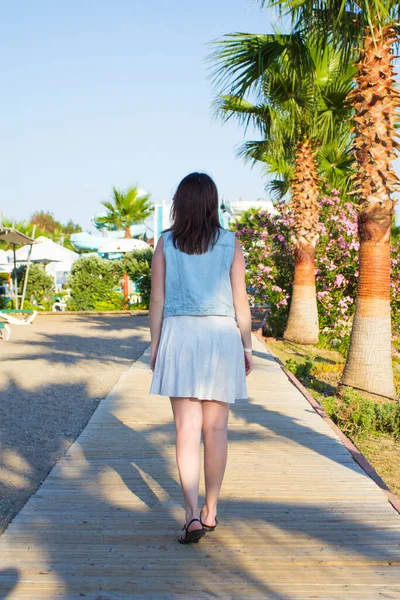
<point x="199" y="356"/>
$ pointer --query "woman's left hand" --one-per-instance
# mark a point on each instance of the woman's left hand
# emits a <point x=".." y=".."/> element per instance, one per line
<point x="153" y="358"/>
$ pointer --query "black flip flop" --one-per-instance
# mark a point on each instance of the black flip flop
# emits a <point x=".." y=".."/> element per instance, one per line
<point x="192" y="537"/>
<point x="209" y="527"/>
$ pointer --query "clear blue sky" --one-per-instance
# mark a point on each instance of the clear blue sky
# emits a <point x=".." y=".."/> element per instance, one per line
<point x="101" y="93"/>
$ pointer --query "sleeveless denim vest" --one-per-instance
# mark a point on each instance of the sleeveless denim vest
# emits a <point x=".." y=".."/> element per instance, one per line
<point x="199" y="284"/>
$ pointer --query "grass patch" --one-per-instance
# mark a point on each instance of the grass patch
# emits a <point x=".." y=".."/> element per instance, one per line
<point x="374" y="427"/>
<point x="383" y="453"/>
<point x="318" y="369"/>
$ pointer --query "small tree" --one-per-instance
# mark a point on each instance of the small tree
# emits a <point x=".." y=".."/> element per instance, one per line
<point x="39" y="285"/>
<point x="71" y="227"/>
<point x="45" y="221"/>
<point x="92" y="282"/>
<point x="301" y="114"/>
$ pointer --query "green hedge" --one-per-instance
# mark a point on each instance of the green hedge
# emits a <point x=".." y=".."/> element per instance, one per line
<point x="93" y="281"/>
<point x="354" y="414"/>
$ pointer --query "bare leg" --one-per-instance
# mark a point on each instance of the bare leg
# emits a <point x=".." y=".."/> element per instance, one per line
<point x="215" y="435"/>
<point x="188" y="419"/>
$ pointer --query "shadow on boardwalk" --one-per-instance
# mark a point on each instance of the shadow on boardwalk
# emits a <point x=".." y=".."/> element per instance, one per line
<point x="104" y="525"/>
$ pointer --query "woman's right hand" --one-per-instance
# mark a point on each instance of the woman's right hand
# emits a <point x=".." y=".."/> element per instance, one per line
<point x="153" y="358"/>
<point x="248" y="362"/>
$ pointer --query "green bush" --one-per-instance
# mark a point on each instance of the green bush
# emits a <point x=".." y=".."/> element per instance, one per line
<point x="300" y="369"/>
<point x="39" y="286"/>
<point x="6" y="302"/>
<point x="114" y="302"/>
<point x="359" y="417"/>
<point x="92" y="282"/>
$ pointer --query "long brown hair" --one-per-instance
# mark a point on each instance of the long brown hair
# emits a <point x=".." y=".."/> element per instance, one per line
<point x="195" y="220"/>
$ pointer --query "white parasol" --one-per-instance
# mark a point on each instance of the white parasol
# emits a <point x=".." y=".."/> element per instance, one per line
<point x="122" y="245"/>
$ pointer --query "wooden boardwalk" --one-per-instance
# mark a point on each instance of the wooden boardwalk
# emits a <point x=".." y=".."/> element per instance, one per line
<point x="299" y="518"/>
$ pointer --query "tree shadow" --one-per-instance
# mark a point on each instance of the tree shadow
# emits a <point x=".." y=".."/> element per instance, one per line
<point x="75" y="515"/>
<point x="264" y="356"/>
<point x="299" y="433"/>
<point x="71" y="349"/>
<point x="107" y="518"/>
<point x="303" y="352"/>
<point x="104" y="524"/>
<point x="9" y="579"/>
<point x="107" y="322"/>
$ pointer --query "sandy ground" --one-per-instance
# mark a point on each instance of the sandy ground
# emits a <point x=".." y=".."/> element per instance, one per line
<point x="53" y="374"/>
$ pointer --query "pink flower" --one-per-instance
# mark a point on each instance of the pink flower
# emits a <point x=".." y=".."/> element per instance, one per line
<point x="340" y="280"/>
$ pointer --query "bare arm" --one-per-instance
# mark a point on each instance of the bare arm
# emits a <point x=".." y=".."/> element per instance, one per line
<point x="157" y="296"/>
<point x="240" y="300"/>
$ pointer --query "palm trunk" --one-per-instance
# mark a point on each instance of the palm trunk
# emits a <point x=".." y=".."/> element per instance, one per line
<point x="128" y="232"/>
<point x="302" y="325"/>
<point x="369" y="364"/>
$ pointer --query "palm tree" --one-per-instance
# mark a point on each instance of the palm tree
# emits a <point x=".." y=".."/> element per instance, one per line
<point x="126" y="208"/>
<point x="301" y="116"/>
<point x="372" y="28"/>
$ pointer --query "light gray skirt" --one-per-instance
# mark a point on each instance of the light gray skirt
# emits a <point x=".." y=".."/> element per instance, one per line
<point x="200" y="357"/>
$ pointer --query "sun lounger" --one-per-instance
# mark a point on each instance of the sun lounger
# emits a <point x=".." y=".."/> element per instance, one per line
<point x="18" y="317"/>
<point x="5" y="331"/>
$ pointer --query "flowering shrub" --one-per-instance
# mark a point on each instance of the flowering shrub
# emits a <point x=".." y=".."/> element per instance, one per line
<point x="268" y="251"/>
<point x="336" y="269"/>
<point x="269" y="262"/>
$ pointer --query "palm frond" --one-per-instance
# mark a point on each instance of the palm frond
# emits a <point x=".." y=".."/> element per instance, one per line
<point x="335" y="162"/>
<point x="126" y="208"/>
<point x="240" y="59"/>
<point x="247" y="114"/>
<point x="253" y="151"/>
<point x="278" y="188"/>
